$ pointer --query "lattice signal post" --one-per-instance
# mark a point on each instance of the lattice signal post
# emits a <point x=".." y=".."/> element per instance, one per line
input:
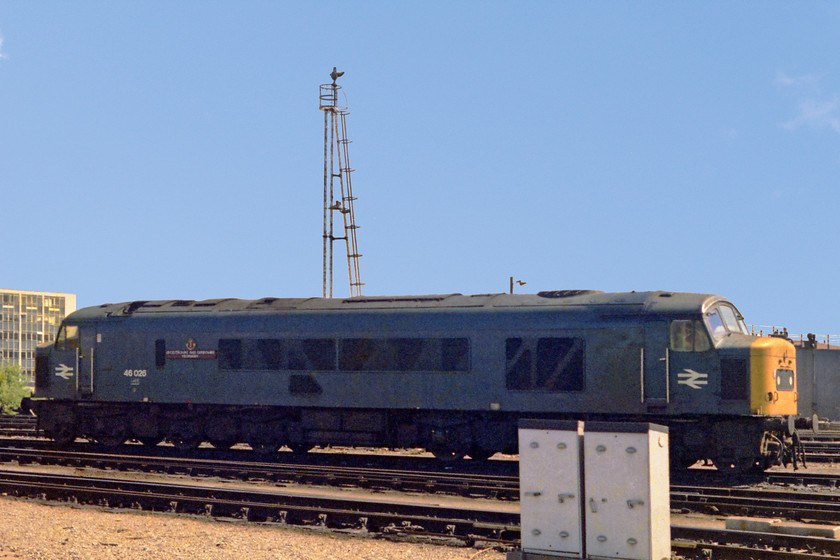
<point x="337" y="167"/>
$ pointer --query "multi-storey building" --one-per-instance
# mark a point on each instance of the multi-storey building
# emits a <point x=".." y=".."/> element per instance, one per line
<point x="28" y="319"/>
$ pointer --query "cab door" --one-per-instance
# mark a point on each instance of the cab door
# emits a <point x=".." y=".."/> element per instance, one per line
<point x="87" y="360"/>
<point x="63" y="378"/>
<point x="656" y="368"/>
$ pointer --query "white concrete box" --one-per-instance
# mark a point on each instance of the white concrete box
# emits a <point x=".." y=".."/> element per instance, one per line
<point x="550" y="487"/>
<point x="627" y="483"/>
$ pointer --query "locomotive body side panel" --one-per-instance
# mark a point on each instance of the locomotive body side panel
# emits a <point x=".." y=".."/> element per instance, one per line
<point x="450" y="373"/>
<point x="624" y="363"/>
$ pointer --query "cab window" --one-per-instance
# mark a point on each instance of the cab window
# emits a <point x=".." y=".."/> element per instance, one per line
<point x="715" y="324"/>
<point x="733" y="320"/>
<point x="723" y="320"/>
<point x="689" y="336"/>
<point x="67" y="338"/>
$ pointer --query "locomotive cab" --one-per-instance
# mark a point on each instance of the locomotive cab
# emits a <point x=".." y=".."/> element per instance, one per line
<point x="761" y="370"/>
<point x="749" y="380"/>
<point x="58" y="365"/>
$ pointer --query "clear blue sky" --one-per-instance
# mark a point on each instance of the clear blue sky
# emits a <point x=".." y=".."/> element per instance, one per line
<point x="156" y="150"/>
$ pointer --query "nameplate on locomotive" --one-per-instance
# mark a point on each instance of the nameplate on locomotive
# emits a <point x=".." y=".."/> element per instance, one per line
<point x="191" y="353"/>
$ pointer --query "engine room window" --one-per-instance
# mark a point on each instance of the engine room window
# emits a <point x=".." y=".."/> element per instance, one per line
<point x="160" y="353"/>
<point x="230" y="354"/>
<point x="784" y="379"/>
<point x="67" y="338"/>
<point x="689" y="336"/>
<point x="404" y="354"/>
<point x="455" y="354"/>
<point x="310" y="354"/>
<point x="544" y="364"/>
<point x="355" y="354"/>
<point x="313" y="354"/>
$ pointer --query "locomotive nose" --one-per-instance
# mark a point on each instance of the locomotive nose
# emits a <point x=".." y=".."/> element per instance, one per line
<point x="773" y="375"/>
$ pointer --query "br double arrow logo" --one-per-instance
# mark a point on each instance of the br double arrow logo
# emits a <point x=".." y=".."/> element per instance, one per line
<point x="63" y="370"/>
<point x="693" y="379"/>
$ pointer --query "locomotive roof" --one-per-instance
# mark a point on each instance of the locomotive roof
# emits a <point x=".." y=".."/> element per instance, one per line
<point x="619" y="302"/>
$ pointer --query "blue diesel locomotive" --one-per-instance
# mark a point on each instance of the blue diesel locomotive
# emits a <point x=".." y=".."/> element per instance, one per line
<point x="449" y="373"/>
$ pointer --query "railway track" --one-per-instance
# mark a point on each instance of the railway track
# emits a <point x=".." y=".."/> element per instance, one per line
<point x="468" y="526"/>
<point x="706" y="497"/>
<point x="822" y="448"/>
<point x="12" y="425"/>
<point x="450" y="524"/>
<point x="456" y="483"/>
<point x="814" y="506"/>
<point x="494" y="479"/>
<point x="699" y="543"/>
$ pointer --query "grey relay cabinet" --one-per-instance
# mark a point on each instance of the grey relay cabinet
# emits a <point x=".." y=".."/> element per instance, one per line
<point x="597" y="490"/>
<point x="550" y="487"/>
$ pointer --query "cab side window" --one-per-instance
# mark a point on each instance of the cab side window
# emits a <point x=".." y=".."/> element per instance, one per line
<point x="67" y="338"/>
<point x="689" y="336"/>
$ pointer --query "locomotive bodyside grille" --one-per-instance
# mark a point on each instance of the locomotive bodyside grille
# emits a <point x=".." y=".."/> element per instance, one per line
<point x="734" y="379"/>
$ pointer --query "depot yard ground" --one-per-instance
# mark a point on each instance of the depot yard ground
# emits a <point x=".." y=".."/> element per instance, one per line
<point x="38" y="531"/>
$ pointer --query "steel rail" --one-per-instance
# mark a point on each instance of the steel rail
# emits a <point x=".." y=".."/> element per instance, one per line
<point x="804" y="478"/>
<point x="380" y="516"/>
<point x="791" y="504"/>
<point x="468" y="526"/>
<point x="704" y="543"/>
<point x="17" y="425"/>
<point x="483" y="485"/>
<point x="739" y="501"/>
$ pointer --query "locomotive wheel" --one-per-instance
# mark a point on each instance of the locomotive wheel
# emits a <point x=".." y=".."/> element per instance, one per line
<point x="301" y="448"/>
<point x="150" y="441"/>
<point x="447" y="454"/>
<point x="740" y="465"/>
<point x="110" y="440"/>
<point x="223" y="444"/>
<point x="264" y="447"/>
<point x="186" y="443"/>
<point x="63" y="434"/>
<point x="479" y="454"/>
<point x="680" y="458"/>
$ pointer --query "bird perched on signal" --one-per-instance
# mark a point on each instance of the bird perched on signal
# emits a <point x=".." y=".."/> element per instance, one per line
<point x="335" y="74"/>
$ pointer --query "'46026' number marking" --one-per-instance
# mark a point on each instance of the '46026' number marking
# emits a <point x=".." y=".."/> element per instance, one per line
<point x="135" y="373"/>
